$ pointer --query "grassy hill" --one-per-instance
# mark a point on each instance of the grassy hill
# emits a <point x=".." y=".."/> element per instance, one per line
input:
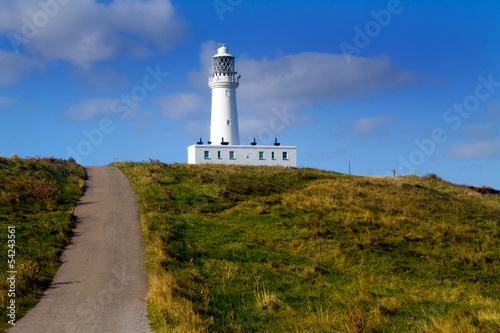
<point x="265" y="249"/>
<point x="37" y="196"/>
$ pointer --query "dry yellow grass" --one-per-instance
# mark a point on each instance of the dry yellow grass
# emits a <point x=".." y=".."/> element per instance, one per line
<point x="169" y="311"/>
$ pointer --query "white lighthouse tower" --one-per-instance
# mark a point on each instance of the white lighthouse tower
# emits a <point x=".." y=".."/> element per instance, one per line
<point x="223" y="81"/>
<point x="224" y="145"/>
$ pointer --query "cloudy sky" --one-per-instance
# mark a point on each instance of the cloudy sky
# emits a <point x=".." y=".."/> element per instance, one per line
<point x="412" y="86"/>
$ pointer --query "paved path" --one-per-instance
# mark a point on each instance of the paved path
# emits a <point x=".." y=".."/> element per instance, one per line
<point x="101" y="285"/>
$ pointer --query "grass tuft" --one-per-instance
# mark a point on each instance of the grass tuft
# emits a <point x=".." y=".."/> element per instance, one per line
<point x="266" y="300"/>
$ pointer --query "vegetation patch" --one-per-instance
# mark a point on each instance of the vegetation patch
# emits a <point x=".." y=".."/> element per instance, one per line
<point x="271" y="249"/>
<point x="37" y="196"/>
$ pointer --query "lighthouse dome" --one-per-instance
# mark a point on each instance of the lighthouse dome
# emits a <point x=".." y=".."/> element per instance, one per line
<point x="222" y="52"/>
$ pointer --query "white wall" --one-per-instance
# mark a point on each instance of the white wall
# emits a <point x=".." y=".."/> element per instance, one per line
<point x="243" y="155"/>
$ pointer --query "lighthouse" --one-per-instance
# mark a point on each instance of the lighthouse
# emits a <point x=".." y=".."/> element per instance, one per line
<point x="223" y="81"/>
<point x="224" y="145"/>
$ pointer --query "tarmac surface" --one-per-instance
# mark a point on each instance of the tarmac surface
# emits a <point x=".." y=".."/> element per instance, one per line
<point x="101" y="285"/>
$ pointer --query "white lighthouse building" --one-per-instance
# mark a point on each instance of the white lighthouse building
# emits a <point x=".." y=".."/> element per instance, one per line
<point x="224" y="145"/>
<point x="223" y="81"/>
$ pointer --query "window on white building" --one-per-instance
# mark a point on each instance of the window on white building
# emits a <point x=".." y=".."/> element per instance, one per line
<point x="285" y="155"/>
<point x="218" y="155"/>
<point x="261" y="155"/>
<point x="228" y="122"/>
<point x="207" y="154"/>
<point x="272" y="155"/>
<point x="231" y="155"/>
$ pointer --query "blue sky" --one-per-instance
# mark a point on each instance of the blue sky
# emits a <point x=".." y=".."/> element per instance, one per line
<point x="407" y="85"/>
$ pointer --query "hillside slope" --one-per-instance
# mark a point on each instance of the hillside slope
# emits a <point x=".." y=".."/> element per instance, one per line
<point x="37" y="196"/>
<point x="263" y="249"/>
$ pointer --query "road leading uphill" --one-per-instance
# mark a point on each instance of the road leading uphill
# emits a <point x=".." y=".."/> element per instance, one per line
<point x="101" y="285"/>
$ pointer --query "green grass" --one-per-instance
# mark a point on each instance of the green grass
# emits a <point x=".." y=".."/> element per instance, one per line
<point x="37" y="196"/>
<point x="268" y="249"/>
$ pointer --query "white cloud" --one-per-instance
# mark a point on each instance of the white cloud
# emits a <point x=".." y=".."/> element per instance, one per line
<point x="478" y="131"/>
<point x="93" y="108"/>
<point x="88" y="109"/>
<point x="489" y="148"/>
<point x="182" y="105"/>
<point x="198" y="129"/>
<point x="479" y="140"/>
<point x="199" y="78"/>
<point x="492" y="110"/>
<point x="6" y="102"/>
<point x="318" y="76"/>
<point x="371" y="125"/>
<point x="15" y="66"/>
<point x="268" y="120"/>
<point x="85" y="31"/>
